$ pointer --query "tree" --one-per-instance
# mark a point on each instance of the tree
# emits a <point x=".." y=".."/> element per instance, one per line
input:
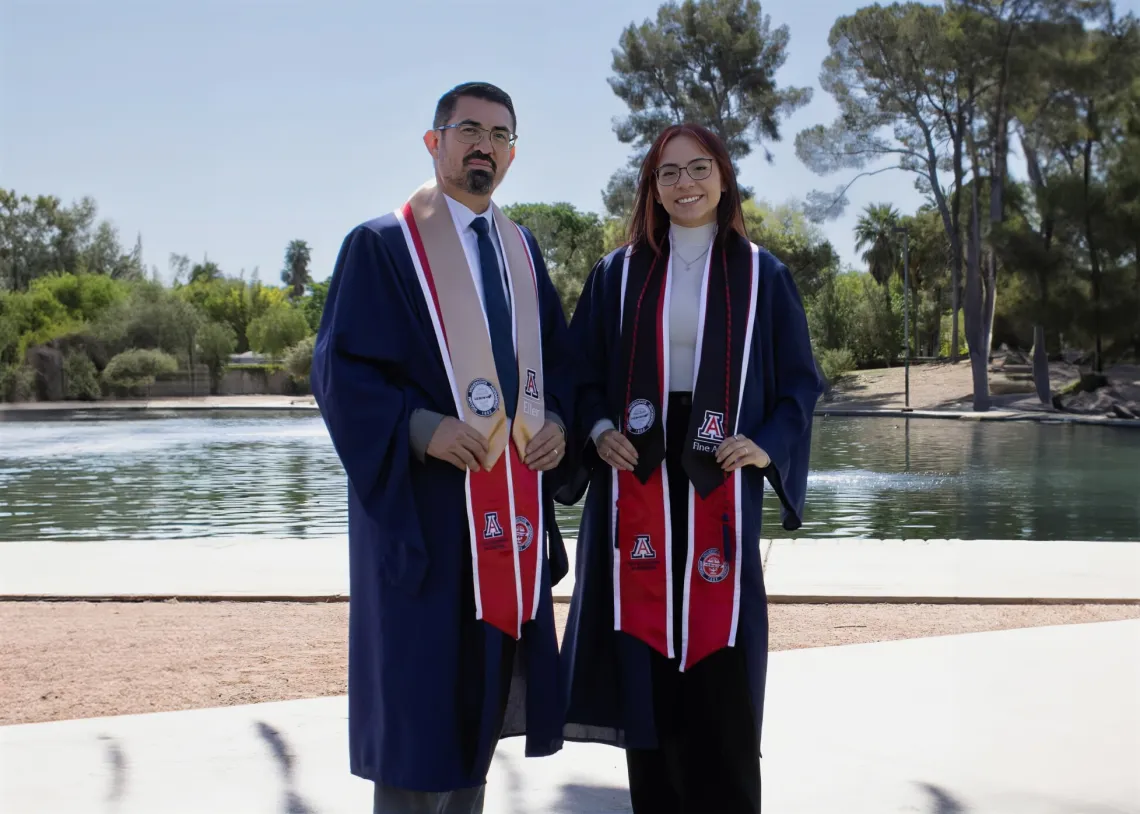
<point x="215" y="342"/>
<point x="43" y="236"/>
<point x="205" y="272"/>
<point x="278" y="329"/>
<point x="929" y="260"/>
<point x="881" y="245"/>
<point x="912" y="70"/>
<point x="152" y="317"/>
<point x="571" y="244"/>
<point x="712" y="62"/>
<point x="314" y="304"/>
<point x="296" y="272"/>
<point x="798" y="243"/>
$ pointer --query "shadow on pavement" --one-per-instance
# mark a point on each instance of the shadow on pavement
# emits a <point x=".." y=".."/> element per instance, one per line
<point x="293" y="802"/>
<point x="117" y="764"/>
<point x="942" y="802"/>
<point x="582" y="799"/>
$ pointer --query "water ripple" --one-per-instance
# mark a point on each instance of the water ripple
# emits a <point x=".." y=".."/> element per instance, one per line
<point x="219" y="474"/>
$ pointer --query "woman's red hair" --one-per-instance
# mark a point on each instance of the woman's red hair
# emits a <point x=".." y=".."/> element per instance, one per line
<point x="649" y="223"/>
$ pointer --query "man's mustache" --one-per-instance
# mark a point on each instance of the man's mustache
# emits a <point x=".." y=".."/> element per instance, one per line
<point x="481" y="156"/>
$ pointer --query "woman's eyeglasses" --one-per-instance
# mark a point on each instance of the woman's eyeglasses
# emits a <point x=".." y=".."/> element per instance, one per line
<point x="698" y="169"/>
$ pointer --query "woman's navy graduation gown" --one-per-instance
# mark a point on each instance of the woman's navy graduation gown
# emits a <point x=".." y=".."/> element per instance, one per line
<point x="607" y="673"/>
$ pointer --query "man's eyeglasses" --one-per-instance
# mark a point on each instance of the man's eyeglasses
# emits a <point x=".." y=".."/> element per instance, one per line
<point x="473" y="134"/>
<point x="698" y="169"/>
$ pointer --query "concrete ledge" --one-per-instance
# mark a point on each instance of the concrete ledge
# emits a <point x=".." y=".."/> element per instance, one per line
<point x="260" y="569"/>
<point x="1007" y="571"/>
<point x="233" y="568"/>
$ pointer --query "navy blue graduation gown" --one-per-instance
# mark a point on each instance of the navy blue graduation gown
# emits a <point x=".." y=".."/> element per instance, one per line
<point x="607" y="673"/>
<point x="423" y="674"/>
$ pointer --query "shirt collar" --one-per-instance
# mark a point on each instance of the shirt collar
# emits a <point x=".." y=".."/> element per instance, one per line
<point x="462" y="215"/>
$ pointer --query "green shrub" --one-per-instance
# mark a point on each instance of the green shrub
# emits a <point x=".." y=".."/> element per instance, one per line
<point x="137" y="369"/>
<point x="80" y="378"/>
<point x="835" y="363"/>
<point x="299" y="358"/>
<point x="277" y="330"/>
<point x="17" y="383"/>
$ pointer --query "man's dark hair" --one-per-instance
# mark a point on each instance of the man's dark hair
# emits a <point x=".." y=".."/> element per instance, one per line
<point x="477" y="90"/>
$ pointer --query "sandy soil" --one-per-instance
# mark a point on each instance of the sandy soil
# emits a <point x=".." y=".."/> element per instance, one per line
<point x="81" y="660"/>
<point x="943" y="386"/>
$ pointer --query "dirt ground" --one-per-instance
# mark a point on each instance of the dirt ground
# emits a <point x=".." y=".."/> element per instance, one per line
<point x="81" y="659"/>
<point x="943" y="386"/>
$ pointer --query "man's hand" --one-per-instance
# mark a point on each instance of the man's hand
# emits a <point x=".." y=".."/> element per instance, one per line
<point x="739" y="451"/>
<point x="458" y="444"/>
<point x="545" y="450"/>
<point x="616" y="450"/>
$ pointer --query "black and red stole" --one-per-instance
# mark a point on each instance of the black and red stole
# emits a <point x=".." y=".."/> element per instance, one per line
<point x="643" y="568"/>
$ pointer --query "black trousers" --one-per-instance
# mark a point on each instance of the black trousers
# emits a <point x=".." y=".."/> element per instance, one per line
<point x="707" y="760"/>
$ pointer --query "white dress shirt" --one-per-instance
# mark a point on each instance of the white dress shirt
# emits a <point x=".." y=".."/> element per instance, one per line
<point x="423" y="422"/>
<point x="463" y="216"/>
<point x="689" y="253"/>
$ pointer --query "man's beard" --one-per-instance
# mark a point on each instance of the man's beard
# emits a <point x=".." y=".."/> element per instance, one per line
<point x="478" y="181"/>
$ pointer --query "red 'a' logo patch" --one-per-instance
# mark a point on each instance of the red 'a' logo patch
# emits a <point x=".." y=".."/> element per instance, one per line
<point x="712" y="428"/>
<point x="531" y="388"/>
<point x="642" y="550"/>
<point x="492" y="528"/>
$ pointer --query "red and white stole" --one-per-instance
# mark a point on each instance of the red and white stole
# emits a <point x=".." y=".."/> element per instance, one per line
<point x="504" y="508"/>
<point x="643" y="550"/>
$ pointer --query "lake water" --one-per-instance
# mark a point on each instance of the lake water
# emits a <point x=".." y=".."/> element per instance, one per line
<point x="99" y="476"/>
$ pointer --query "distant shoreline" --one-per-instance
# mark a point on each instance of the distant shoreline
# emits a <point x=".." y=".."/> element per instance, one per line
<point x="843" y="409"/>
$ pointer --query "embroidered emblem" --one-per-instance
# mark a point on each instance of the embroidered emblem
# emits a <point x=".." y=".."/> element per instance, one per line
<point x="524" y="533"/>
<point x="642" y="550"/>
<point x="712" y="428"/>
<point x="482" y="397"/>
<point x="491" y="526"/>
<point x="531" y="389"/>
<point x="639" y="416"/>
<point x="712" y="566"/>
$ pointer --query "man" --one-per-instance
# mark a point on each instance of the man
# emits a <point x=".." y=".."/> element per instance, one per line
<point x="438" y="368"/>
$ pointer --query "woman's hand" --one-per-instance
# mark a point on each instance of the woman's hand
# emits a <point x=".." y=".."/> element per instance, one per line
<point x="616" y="450"/>
<point x="737" y="451"/>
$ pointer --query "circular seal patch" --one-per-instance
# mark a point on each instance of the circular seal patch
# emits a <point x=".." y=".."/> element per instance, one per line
<point x="712" y="566"/>
<point x="524" y="533"/>
<point x="639" y="416"/>
<point x="482" y="397"/>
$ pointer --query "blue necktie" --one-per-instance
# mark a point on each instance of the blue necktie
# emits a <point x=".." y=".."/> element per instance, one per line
<point x="498" y="316"/>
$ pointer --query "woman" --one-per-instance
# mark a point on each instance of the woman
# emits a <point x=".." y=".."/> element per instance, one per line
<point x="696" y="385"/>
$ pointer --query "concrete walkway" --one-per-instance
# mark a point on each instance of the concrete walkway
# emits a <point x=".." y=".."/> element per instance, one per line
<point x="802" y="570"/>
<point x="1037" y="721"/>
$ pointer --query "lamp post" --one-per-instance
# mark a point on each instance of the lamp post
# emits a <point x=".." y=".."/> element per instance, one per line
<point x="906" y="311"/>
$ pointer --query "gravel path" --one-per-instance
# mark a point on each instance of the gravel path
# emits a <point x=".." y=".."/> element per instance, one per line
<point x="81" y="659"/>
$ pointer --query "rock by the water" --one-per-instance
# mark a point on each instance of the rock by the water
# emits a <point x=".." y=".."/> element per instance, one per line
<point x="1117" y="396"/>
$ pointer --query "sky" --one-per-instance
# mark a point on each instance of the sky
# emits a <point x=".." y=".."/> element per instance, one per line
<point x="226" y="128"/>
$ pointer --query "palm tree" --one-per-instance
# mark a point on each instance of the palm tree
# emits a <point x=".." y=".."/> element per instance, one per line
<point x="296" y="271"/>
<point x="882" y="248"/>
<point x="875" y="236"/>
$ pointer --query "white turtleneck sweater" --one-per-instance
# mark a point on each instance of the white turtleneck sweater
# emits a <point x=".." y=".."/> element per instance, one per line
<point x="689" y="256"/>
